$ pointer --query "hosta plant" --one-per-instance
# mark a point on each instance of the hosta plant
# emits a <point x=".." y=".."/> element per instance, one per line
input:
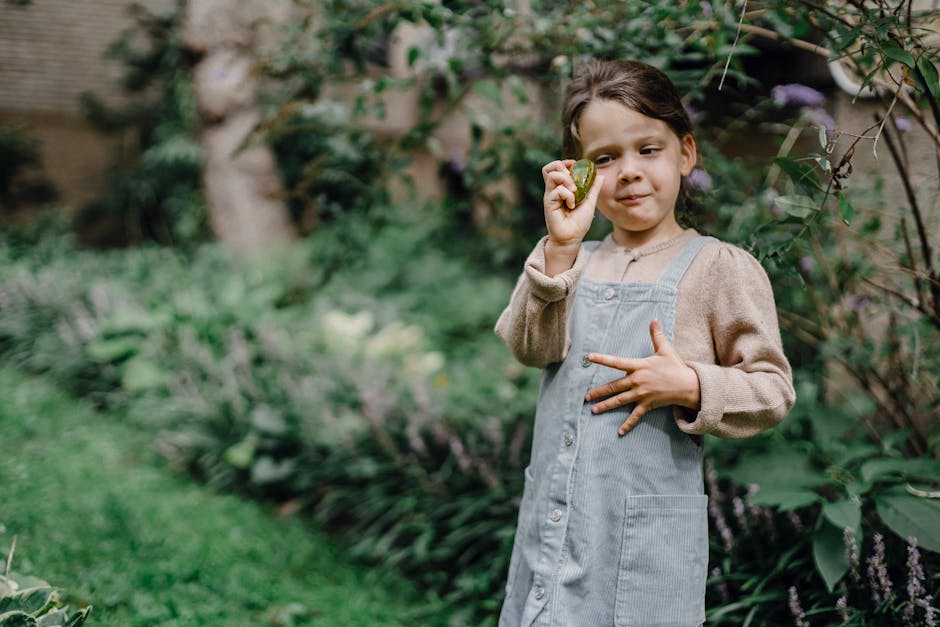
<point x="31" y="602"/>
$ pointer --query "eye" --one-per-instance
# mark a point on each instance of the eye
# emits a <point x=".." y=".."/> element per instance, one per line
<point x="602" y="160"/>
<point x="649" y="150"/>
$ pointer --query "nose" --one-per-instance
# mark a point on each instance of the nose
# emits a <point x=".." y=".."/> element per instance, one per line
<point x="629" y="169"/>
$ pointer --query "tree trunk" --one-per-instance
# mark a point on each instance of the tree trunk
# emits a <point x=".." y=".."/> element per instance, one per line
<point x="240" y="176"/>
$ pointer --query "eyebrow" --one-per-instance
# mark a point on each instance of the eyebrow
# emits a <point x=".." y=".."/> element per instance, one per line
<point x="645" y="139"/>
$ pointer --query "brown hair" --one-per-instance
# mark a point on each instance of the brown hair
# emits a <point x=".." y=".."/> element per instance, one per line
<point x="636" y="85"/>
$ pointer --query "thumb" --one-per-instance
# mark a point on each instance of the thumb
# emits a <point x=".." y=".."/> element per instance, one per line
<point x="594" y="192"/>
<point x="660" y="341"/>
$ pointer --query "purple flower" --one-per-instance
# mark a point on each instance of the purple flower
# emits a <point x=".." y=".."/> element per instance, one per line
<point x="457" y="160"/>
<point x="851" y="551"/>
<point x="699" y="179"/>
<point x="797" y="95"/>
<point x="859" y="301"/>
<point x="799" y="617"/>
<point x="843" y="606"/>
<point x="881" y="586"/>
<point x="903" y="125"/>
<point x="818" y="116"/>
<point x="807" y="263"/>
<point x="706" y="8"/>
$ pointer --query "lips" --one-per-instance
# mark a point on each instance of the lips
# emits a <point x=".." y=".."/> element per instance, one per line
<point x="630" y="199"/>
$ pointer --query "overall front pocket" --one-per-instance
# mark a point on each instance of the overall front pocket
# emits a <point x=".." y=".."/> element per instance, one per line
<point x="663" y="562"/>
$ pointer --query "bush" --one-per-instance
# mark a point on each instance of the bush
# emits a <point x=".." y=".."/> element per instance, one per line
<point x="31" y="602"/>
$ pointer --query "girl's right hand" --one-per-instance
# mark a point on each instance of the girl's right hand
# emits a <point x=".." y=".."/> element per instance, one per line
<point x="567" y="224"/>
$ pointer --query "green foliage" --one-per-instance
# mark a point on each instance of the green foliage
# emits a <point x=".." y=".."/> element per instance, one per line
<point x="348" y="377"/>
<point x="30" y="602"/>
<point x="483" y="67"/>
<point x="92" y="505"/>
<point x="154" y="192"/>
<point x="807" y="505"/>
<point x="21" y="181"/>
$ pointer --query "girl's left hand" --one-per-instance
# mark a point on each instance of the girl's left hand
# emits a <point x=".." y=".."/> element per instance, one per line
<point x="661" y="379"/>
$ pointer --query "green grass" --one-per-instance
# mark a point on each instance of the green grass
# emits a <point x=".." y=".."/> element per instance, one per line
<point x="95" y="515"/>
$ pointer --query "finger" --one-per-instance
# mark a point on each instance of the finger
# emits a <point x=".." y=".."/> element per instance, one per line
<point x="632" y="420"/>
<point x="595" y="190"/>
<point x="624" y="398"/>
<point x="612" y="361"/>
<point x="660" y="341"/>
<point x="608" y="389"/>
<point x="561" y="178"/>
<point x="560" y="165"/>
<point x="565" y="197"/>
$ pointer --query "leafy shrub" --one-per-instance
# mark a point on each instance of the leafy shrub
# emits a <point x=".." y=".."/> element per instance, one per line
<point x="21" y="181"/>
<point x="155" y="190"/>
<point x="807" y="510"/>
<point x="31" y="602"/>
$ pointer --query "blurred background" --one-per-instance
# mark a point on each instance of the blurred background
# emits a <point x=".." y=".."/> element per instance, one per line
<point x="251" y="255"/>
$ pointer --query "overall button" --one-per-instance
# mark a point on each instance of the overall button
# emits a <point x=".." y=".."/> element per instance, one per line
<point x="569" y="439"/>
<point x="585" y="362"/>
<point x="555" y="516"/>
<point x="609" y="293"/>
<point x="539" y="592"/>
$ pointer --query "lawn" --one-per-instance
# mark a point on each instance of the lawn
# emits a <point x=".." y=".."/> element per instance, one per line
<point x="96" y="514"/>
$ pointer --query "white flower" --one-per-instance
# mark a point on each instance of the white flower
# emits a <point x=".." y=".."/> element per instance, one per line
<point x="345" y="332"/>
<point x="394" y="339"/>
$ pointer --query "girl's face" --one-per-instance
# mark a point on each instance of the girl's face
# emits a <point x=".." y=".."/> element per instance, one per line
<point x="643" y="162"/>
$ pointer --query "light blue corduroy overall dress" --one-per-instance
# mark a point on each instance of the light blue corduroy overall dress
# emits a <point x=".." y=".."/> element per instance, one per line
<point x="612" y="530"/>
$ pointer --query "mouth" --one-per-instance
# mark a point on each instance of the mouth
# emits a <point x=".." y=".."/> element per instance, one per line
<point x="631" y="199"/>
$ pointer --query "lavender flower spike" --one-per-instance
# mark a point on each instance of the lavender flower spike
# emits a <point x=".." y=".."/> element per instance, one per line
<point x="799" y="618"/>
<point x="904" y="125"/>
<point x="797" y="95"/>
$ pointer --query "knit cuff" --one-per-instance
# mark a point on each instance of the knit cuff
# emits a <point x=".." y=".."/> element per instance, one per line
<point x="544" y="287"/>
<point x="712" y="407"/>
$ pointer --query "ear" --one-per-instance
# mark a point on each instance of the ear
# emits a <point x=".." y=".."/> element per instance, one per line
<point x="689" y="154"/>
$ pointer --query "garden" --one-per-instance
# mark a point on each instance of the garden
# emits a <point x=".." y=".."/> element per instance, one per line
<point x="323" y="428"/>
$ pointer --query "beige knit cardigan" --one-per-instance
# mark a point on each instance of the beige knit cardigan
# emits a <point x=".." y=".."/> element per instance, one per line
<point x="726" y="327"/>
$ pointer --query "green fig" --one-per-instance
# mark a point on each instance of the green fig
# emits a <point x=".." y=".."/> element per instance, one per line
<point x="583" y="172"/>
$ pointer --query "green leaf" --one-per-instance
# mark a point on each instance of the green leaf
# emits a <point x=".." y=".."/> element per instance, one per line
<point x="845" y="513"/>
<point x="414" y="53"/>
<point x="489" y="90"/>
<point x="911" y="516"/>
<point x="55" y="618"/>
<point x="797" y="205"/>
<point x="914" y="468"/>
<point x="16" y="619"/>
<point x="783" y="468"/>
<point x="846" y="210"/>
<point x="823" y="137"/>
<point x="31" y="600"/>
<point x="896" y="53"/>
<point x="801" y="174"/>
<point x="106" y="351"/>
<point x="784" y="499"/>
<point x="79" y="617"/>
<point x="139" y="374"/>
<point x="829" y="554"/>
<point x="242" y="454"/>
<point x="929" y="71"/>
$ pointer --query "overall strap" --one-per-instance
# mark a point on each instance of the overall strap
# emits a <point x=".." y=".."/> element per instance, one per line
<point x="680" y="264"/>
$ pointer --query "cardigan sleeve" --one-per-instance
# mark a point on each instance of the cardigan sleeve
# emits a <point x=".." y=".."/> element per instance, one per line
<point x="749" y="388"/>
<point x="534" y="324"/>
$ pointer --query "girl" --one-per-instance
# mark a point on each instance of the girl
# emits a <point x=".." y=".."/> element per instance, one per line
<point x="649" y="339"/>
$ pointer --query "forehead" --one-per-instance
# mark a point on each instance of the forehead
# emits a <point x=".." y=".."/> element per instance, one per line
<point x="607" y="121"/>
